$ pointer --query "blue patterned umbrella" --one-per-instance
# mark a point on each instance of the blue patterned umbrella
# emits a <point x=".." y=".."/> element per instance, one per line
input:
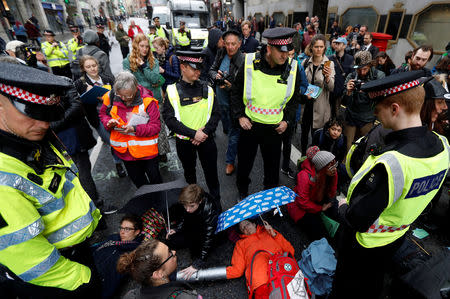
<point x="255" y="204"/>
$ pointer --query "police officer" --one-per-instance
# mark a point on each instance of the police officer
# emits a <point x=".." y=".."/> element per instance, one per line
<point x="191" y="112"/>
<point x="264" y="96"/>
<point x="44" y="209"/>
<point x="75" y="43"/>
<point x="57" y="55"/>
<point x="160" y="31"/>
<point x="182" y="38"/>
<point x="151" y="36"/>
<point x="391" y="189"/>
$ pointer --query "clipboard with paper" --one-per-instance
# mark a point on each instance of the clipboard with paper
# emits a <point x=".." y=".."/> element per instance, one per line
<point x="91" y="96"/>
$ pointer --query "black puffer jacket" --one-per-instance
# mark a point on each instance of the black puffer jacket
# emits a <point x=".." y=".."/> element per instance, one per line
<point x="204" y="223"/>
<point x="210" y="52"/>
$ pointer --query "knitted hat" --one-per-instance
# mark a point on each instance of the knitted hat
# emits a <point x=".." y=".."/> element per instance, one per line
<point x="321" y="159"/>
<point x="312" y="151"/>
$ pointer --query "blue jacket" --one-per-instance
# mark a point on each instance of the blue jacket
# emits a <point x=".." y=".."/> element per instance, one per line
<point x="171" y="68"/>
<point x="20" y="30"/>
<point x="342" y="68"/>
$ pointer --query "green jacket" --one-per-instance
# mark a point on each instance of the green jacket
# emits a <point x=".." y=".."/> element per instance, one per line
<point x="149" y="78"/>
<point x="121" y="37"/>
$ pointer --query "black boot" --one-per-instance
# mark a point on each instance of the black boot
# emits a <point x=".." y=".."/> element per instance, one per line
<point x="120" y="170"/>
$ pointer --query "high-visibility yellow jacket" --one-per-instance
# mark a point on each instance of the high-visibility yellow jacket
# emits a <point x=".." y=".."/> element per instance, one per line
<point x="56" y="56"/>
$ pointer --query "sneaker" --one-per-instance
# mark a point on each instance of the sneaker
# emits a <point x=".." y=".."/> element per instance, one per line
<point x="120" y="170"/>
<point x="109" y="209"/>
<point x="289" y="172"/>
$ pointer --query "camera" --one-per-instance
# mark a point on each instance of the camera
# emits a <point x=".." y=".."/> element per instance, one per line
<point x="28" y="54"/>
<point x="221" y="81"/>
<point x="358" y="83"/>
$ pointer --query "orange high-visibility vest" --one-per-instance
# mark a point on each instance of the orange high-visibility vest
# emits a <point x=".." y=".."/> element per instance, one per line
<point x="139" y="147"/>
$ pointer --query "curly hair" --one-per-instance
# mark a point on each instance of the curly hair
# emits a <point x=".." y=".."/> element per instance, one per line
<point x="135" y="53"/>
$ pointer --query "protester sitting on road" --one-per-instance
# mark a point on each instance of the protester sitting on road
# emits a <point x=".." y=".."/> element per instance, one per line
<point x="196" y="228"/>
<point x="316" y="188"/>
<point x="150" y="265"/>
<point x="107" y="253"/>
<point x="143" y="65"/>
<point x="131" y="114"/>
<point x="254" y="238"/>
<point x="384" y="63"/>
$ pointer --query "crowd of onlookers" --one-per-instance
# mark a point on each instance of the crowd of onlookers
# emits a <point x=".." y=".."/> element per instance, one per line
<point x="329" y="122"/>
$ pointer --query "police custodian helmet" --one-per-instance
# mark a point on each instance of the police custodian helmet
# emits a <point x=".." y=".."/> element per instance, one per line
<point x="33" y="92"/>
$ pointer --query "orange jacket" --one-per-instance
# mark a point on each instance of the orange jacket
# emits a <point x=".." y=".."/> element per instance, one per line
<point x="246" y="248"/>
<point x="138" y="147"/>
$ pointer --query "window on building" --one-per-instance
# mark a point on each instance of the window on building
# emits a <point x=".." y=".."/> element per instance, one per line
<point x="394" y="23"/>
<point x="278" y="18"/>
<point x="360" y="15"/>
<point x="429" y="26"/>
<point x="332" y="16"/>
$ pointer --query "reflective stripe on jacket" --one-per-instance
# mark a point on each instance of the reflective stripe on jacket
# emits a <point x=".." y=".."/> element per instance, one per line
<point x="413" y="182"/>
<point x="40" y="221"/>
<point x="265" y="96"/>
<point x="72" y="48"/>
<point x="138" y="147"/>
<point x="56" y="56"/>
<point x="193" y="116"/>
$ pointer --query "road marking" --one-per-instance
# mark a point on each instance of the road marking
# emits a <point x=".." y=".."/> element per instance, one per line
<point x="95" y="152"/>
<point x="295" y="154"/>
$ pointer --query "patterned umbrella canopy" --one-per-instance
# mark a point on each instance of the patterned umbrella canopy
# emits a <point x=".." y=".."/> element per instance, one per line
<point x="255" y="204"/>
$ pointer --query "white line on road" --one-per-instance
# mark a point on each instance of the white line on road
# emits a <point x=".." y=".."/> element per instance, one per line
<point x="295" y="154"/>
<point x="96" y="151"/>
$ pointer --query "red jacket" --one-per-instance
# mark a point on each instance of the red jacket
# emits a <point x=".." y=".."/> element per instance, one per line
<point x="246" y="248"/>
<point x="131" y="31"/>
<point x="306" y="184"/>
<point x="151" y="128"/>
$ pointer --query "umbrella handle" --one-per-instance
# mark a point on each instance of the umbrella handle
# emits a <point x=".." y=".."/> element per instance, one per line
<point x="279" y="211"/>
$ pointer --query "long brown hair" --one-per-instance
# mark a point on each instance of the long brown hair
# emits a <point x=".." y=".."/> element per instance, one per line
<point x="135" y="53"/>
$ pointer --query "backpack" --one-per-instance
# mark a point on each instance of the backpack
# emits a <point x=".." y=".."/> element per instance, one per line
<point x="286" y="280"/>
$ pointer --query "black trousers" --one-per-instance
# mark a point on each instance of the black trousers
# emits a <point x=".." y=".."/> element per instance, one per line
<point x="125" y="51"/>
<point x="207" y="153"/>
<point x="143" y="172"/>
<point x="84" y="170"/>
<point x="63" y="71"/>
<point x="360" y="271"/>
<point x="307" y="122"/>
<point x="286" y="138"/>
<point x="269" y="142"/>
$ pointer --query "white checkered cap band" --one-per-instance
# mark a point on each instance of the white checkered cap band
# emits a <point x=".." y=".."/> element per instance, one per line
<point x="190" y="59"/>
<point x="281" y="41"/>
<point x="393" y="90"/>
<point x="27" y="96"/>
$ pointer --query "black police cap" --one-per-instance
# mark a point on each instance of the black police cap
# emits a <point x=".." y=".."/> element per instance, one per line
<point x="34" y="92"/>
<point x="393" y="84"/>
<point x="194" y="59"/>
<point x="280" y="37"/>
<point x="49" y="32"/>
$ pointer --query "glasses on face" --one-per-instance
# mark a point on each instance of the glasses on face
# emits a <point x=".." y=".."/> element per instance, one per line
<point x="125" y="97"/>
<point x="126" y="229"/>
<point x="171" y="255"/>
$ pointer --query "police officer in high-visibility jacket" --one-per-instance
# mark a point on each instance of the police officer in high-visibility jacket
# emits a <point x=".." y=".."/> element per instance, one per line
<point x="43" y="208"/>
<point x="264" y="97"/>
<point x="75" y="43"/>
<point x="160" y="31"/>
<point x="192" y="114"/>
<point x="182" y="38"/>
<point x="391" y="189"/>
<point x="56" y="54"/>
<point x="151" y="36"/>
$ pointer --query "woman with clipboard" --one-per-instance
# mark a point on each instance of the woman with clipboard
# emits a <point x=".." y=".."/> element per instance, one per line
<point x="90" y="77"/>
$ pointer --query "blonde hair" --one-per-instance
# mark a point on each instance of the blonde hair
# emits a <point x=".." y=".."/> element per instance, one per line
<point x="192" y="193"/>
<point x="135" y="53"/>
<point x="85" y="58"/>
<point x="162" y="42"/>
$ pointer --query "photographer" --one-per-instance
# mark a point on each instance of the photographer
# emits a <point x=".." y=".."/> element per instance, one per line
<point x="223" y="72"/>
<point x="359" y="116"/>
<point x="26" y="54"/>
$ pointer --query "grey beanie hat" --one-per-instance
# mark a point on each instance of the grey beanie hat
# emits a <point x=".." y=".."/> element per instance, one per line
<point x="321" y="159"/>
